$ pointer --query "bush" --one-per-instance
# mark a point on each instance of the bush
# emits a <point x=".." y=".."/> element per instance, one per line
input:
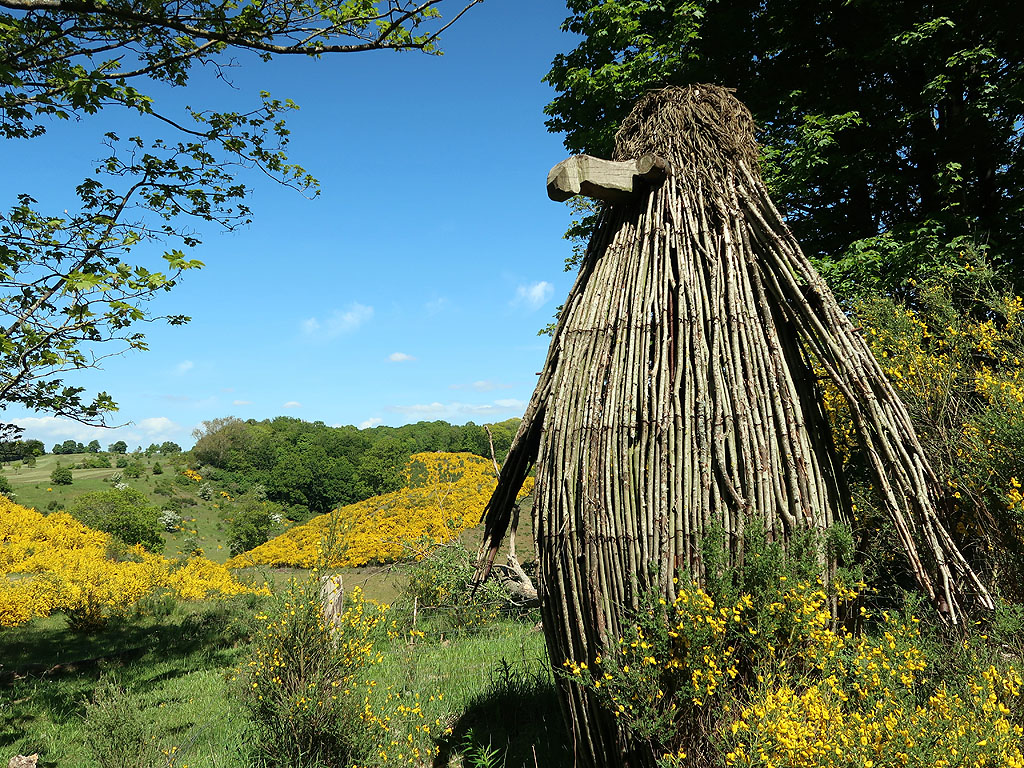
<point x="442" y="579"/>
<point x="61" y="476"/>
<point x="756" y="671"/>
<point x="122" y="462"/>
<point x="121" y="512"/>
<point x="305" y="683"/>
<point x="135" y="469"/>
<point x="250" y="524"/>
<point x="116" y="732"/>
<point x="6" y="488"/>
<point x="95" y="461"/>
<point x="170" y="520"/>
<point x="157" y="469"/>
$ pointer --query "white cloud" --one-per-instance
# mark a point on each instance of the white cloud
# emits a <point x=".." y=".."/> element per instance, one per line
<point x="484" y="385"/>
<point x="456" y="410"/>
<point x="436" y="305"/>
<point x="510" y="402"/>
<point x="241" y="402"/>
<point x="338" y="322"/>
<point x="292" y="404"/>
<point x="373" y="421"/>
<point x="534" y="295"/>
<point x="400" y="357"/>
<point x="184" y="367"/>
<point x="53" y="429"/>
<point x="157" y="426"/>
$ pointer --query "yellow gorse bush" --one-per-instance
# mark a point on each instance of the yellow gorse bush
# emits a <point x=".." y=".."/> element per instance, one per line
<point x="444" y="494"/>
<point x="779" y="684"/>
<point x="311" y="687"/>
<point x="51" y="563"/>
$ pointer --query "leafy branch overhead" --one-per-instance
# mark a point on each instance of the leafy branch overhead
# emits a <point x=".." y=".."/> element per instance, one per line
<point x="66" y="285"/>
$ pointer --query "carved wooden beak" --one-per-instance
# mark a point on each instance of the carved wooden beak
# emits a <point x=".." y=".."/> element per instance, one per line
<point x="613" y="182"/>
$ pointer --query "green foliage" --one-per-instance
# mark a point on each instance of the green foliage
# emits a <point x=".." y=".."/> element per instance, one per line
<point x="250" y="521"/>
<point x="116" y="732"/>
<point x="69" y="281"/>
<point x="440" y="583"/>
<point x="298" y="684"/>
<point x="122" y="512"/>
<point x="952" y="344"/>
<point x="118" y="447"/>
<point x="61" y="476"/>
<point x="845" y="159"/>
<point x="134" y="469"/>
<point x="312" y="468"/>
<point x="95" y="461"/>
<point x="5" y="487"/>
<point x="157" y="469"/>
<point x="122" y="461"/>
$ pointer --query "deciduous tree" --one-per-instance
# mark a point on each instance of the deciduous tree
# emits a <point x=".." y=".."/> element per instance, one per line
<point x="70" y="293"/>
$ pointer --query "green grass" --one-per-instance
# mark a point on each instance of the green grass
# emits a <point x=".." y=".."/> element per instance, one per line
<point x="174" y="664"/>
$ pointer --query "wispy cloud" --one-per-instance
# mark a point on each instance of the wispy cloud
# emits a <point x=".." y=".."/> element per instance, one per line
<point x="52" y="429"/>
<point x="533" y="295"/>
<point x="292" y="404"/>
<point x="184" y="367"/>
<point x="457" y="410"/>
<point x="340" y="321"/>
<point x="373" y="421"/>
<point x="157" y="426"/>
<point x="241" y="402"/>
<point x="400" y="357"/>
<point x="484" y="385"/>
<point x="436" y="305"/>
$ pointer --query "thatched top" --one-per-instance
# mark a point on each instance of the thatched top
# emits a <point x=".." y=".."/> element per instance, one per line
<point x="681" y="123"/>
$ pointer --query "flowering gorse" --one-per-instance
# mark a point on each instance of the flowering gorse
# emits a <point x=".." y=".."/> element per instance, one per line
<point x="51" y="563"/>
<point x="444" y="494"/>
<point x="773" y="680"/>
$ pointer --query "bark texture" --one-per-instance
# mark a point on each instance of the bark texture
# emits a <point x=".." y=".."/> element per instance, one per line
<point x="678" y="396"/>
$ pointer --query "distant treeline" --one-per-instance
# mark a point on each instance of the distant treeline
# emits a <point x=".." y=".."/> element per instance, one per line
<point x="310" y="466"/>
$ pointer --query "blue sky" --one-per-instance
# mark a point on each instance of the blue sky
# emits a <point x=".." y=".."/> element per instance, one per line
<point x="411" y="289"/>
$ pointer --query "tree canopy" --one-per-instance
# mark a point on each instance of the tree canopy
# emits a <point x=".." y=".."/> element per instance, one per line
<point x="69" y="294"/>
<point x="901" y="120"/>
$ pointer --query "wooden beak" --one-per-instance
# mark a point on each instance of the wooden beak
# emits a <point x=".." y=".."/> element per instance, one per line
<point x="607" y="180"/>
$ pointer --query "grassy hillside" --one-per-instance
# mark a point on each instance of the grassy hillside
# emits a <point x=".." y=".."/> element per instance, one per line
<point x="202" y="522"/>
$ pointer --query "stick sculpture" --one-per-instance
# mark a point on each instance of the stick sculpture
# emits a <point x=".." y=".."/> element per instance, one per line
<point x="678" y="395"/>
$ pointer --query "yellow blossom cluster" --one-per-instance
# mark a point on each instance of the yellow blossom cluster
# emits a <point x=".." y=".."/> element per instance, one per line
<point x="870" y="702"/>
<point x="781" y="684"/>
<point x="308" y="677"/>
<point x="444" y="494"/>
<point x="51" y="563"/>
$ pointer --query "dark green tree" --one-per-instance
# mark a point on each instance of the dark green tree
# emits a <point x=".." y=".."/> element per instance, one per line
<point x="61" y="476"/>
<point x="93" y="446"/>
<point x="121" y="512"/>
<point x="71" y="294"/>
<point x="119" y="447"/>
<point x="895" y="119"/>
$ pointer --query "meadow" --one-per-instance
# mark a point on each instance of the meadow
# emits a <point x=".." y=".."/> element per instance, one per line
<point x="184" y="662"/>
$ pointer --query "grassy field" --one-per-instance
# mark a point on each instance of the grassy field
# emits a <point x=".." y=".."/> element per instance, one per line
<point x="169" y="674"/>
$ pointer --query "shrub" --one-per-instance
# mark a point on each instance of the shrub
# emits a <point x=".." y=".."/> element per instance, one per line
<point x="442" y="579"/>
<point x="756" y="671"/>
<point x="122" y="461"/>
<point x="170" y="520"/>
<point x="250" y="524"/>
<point x="135" y="469"/>
<point x="122" y="512"/>
<point x="5" y="487"/>
<point x="95" y="461"/>
<point x="305" y="683"/>
<point x="61" y="476"/>
<point x="116" y="732"/>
